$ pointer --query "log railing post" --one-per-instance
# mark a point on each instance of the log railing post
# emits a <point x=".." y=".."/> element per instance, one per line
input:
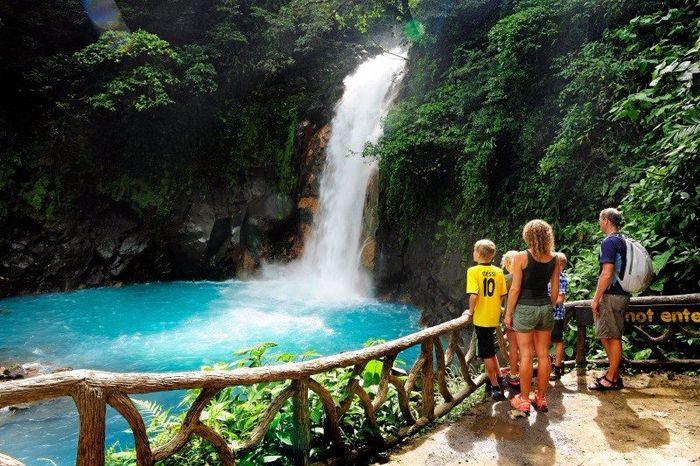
<point x="301" y="434"/>
<point x="580" y="344"/>
<point x="91" y="403"/>
<point x="428" y="409"/>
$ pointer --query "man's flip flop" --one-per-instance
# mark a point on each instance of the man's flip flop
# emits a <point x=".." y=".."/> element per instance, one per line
<point x="598" y="386"/>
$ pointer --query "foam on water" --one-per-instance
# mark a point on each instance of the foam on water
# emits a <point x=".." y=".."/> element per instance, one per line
<point x="321" y="302"/>
<point x="168" y="327"/>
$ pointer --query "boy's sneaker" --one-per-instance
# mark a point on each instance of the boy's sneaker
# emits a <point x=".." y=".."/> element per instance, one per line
<point x="502" y="383"/>
<point x="497" y="393"/>
<point x="557" y="372"/>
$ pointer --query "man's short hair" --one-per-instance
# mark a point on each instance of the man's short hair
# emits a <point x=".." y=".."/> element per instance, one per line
<point x="485" y="248"/>
<point x="612" y="215"/>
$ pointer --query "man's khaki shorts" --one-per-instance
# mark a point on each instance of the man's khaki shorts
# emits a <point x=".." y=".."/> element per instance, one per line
<point x="611" y="321"/>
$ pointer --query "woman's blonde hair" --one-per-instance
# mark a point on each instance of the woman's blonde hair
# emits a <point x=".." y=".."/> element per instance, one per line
<point x="539" y="237"/>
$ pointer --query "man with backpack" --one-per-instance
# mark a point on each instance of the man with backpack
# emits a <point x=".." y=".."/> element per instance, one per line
<point x="610" y="300"/>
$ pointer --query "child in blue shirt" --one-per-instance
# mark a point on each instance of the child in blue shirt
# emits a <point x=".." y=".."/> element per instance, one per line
<point x="559" y="314"/>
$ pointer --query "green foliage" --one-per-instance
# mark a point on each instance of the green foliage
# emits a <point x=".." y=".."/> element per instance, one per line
<point x="554" y="110"/>
<point x="132" y="114"/>
<point x="235" y="411"/>
<point x="414" y="30"/>
<point x="261" y="134"/>
<point x="146" y="197"/>
<point x="138" y="70"/>
<point x="662" y="202"/>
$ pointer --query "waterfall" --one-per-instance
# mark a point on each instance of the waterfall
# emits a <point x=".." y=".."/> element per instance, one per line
<point x="331" y="259"/>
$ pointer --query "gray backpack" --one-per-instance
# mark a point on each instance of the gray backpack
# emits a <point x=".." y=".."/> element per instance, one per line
<point x="639" y="270"/>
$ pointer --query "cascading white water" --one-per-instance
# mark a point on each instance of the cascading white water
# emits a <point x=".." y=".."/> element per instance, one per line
<point x="331" y="260"/>
<point x="333" y="251"/>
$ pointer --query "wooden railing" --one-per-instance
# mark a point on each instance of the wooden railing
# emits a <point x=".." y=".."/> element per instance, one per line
<point x="92" y="391"/>
<point x="676" y="313"/>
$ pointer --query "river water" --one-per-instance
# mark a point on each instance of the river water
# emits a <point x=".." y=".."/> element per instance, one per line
<point x="167" y="327"/>
<point x="323" y="302"/>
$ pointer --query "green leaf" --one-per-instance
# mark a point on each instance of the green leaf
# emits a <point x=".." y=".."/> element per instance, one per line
<point x="659" y="261"/>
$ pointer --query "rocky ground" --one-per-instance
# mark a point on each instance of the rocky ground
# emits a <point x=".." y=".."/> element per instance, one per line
<point x="654" y="420"/>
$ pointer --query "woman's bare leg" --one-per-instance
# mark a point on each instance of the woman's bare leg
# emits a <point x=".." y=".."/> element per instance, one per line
<point x="513" y="353"/>
<point x="525" y="348"/>
<point x="542" y="340"/>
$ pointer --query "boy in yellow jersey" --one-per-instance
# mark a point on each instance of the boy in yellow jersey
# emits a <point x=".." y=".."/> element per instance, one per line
<point x="486" y="287"/>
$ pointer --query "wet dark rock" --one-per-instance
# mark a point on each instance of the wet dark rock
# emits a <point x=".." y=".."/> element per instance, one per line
<point x="269" y="212"/>
<point x="220" y="232"/>
<point x="188" y="236"/>
<point x="213" y="234"/>
<point x="105" y="249"/>
<point x="423" y="271"/>
<point x="16" y="372"/>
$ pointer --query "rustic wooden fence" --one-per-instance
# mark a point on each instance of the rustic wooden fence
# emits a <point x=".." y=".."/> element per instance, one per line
<point x="422" y="395"/>
<point x="676" y="314"/>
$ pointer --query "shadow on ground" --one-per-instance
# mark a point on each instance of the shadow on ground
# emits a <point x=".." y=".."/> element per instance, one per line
<point x="654" y="420"/>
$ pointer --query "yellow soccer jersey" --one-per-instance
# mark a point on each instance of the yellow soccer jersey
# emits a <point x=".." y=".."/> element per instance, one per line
<point x="488" y="283"/>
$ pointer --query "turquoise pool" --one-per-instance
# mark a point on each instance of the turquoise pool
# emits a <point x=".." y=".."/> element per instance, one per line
<point x="168" y="327"/>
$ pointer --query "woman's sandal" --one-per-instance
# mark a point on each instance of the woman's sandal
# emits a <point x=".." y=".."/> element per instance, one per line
<point x="540" y="404"/>
<point x="520" y="404"/>
<point x="599" y="387"/>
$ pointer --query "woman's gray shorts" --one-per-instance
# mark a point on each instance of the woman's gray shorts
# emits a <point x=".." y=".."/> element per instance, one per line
<point x="527" y="318"/>
<point x="610" y="323"/>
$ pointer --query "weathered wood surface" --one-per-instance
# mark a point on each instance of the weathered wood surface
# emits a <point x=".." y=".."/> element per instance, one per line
<point x="64" y="383"/>
<point x="125" y="407"/>
<point x="91" y="403"/>
<point x="301" y="435"/>
<point x="677" y="313"/>
<point x="93" y="390"/>
<point x="691" y="298"/>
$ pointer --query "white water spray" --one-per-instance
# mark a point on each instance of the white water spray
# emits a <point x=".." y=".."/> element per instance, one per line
<point x="331" y="260"/>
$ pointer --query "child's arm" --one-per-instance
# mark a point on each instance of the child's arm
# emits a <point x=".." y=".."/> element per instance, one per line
<point x="563" y="288"/>
<point x="472" y="305"/>
<point x="561" y="299"/>
<point x="554" y="284"/>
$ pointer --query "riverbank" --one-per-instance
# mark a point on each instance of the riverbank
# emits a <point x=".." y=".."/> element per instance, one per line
<point x="653" y="420"/>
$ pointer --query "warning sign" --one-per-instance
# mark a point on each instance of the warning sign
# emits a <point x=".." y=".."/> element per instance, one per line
<point x="663" y="314"/>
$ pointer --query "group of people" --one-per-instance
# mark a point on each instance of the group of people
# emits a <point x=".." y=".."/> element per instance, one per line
<point x="532" y="293"/>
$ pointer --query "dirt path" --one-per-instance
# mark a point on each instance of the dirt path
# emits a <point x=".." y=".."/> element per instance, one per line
<point x="654" y="420"/>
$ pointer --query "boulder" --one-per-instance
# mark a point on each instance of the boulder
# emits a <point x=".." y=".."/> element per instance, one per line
<point x="267" y="213"/>
<point x="425" y="269"/>
<point x="187" y="237"/>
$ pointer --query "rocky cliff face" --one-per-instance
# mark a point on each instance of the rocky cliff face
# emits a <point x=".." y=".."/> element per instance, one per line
<point x="222" y="234"/>
<point x="425" y="271"/>
<point x="213" y="234"/>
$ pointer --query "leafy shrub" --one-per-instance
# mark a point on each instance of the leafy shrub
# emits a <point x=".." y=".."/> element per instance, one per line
<point x="234" y="412"/>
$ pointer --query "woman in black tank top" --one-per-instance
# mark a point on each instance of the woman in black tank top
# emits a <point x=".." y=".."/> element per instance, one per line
<point x="529" y="310"/>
